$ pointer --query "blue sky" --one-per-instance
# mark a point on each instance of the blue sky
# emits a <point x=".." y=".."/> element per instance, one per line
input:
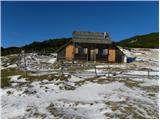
<point x="25" y="22"/>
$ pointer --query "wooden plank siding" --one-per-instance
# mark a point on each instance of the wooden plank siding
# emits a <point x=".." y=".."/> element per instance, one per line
<point x="105" y="53"/>
<point x="91" y="37"/>
<point x="111" y="55"/>
<point x="90" y="46"/>
<point x="70" y="52"/>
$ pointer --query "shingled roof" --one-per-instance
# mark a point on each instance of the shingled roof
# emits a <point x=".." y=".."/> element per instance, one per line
<point x="91" y="37"/>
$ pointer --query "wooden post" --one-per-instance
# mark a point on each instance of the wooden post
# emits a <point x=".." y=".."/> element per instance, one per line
<point x="61" y="70"/>
<point x="148" y="72"/>
<point x="94" y="53"/>
<point x="95" y="71"/>
<point x="108" y="70"/>
<point x="25" y="66"/>
<point x="87" y="55"/>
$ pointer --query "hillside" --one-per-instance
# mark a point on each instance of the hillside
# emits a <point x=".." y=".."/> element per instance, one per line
<point x="141" y="41"/>
<point x="46" y="46"/>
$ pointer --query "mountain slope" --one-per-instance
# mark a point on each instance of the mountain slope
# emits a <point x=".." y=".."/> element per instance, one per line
<point x="141" y="41"/>
<point x="47" y="46"/>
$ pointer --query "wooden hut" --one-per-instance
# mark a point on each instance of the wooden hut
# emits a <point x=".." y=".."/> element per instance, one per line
<point x="90" y="46"/>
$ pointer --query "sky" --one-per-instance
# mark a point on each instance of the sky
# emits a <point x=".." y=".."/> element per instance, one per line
<point x="24" y="22"/>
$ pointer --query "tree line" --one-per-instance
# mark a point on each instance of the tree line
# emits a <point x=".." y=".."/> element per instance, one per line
<point x="142" y="41"/>
<point x="47" y="46"/>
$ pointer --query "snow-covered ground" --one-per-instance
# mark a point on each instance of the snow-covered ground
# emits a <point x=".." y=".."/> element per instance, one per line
<point x="128" y="94"/>
<point x="35" y="62"/>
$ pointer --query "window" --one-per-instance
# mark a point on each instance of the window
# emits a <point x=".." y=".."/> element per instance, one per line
<point x="85" y="50"/>
<point x="105" y="51"/>
<point x="96" y="50"/>
<point x="76" y="51"/>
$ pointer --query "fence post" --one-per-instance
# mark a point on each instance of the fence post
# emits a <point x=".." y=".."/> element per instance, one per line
<point x="108" y="70"/>
<point x="95" y="71"/>
<point x="25" y="65"/>
<point x="148" y="72"/>
<point x="61" y="70"/>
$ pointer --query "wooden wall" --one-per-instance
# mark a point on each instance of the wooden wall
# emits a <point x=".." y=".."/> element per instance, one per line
<point x="70" y="50"/>
<point x="68" y="53"/>
<point x="111" y="55"/>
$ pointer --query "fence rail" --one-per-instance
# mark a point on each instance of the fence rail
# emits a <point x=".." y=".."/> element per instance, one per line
<point x="90" y="69"/>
